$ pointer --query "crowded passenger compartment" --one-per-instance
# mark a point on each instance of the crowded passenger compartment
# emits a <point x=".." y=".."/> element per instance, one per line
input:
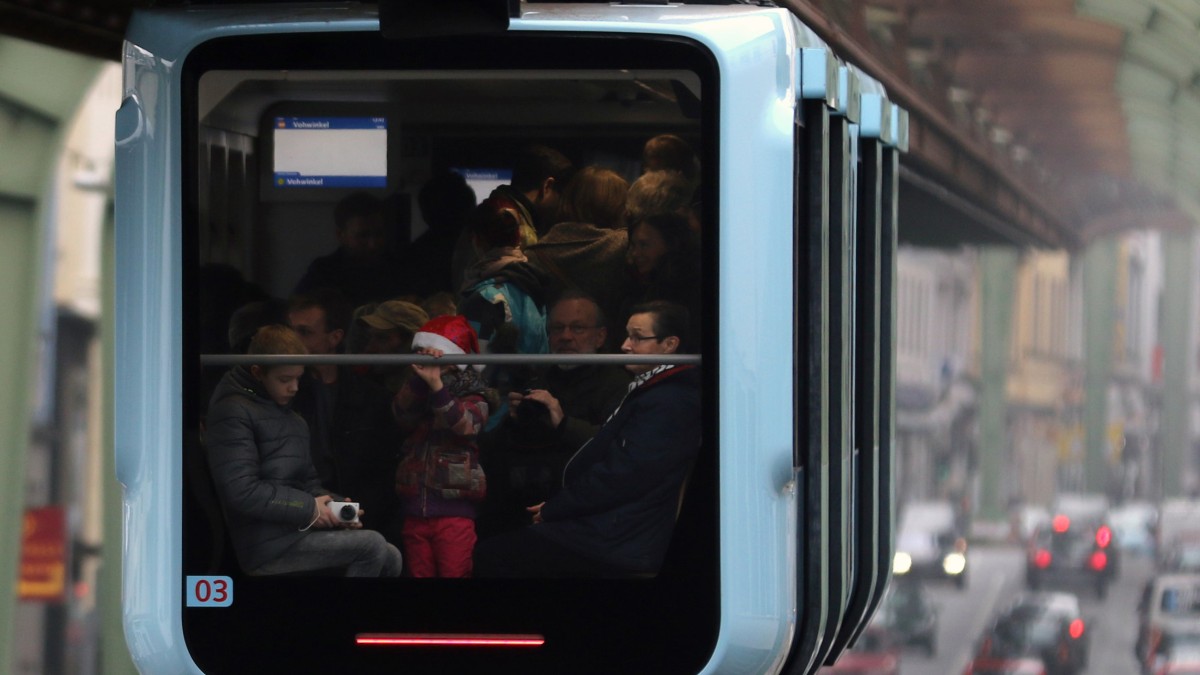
<point x="364" y="215"/>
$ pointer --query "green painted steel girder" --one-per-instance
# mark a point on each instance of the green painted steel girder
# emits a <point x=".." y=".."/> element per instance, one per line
<point x="998" y="271"/>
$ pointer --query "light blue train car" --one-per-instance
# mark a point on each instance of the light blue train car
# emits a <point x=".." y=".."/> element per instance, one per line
<point x="241" y="130"/>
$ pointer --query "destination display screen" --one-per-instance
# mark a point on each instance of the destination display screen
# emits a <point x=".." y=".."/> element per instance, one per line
<point x="330" y="152"/>
<point x="483" y="181"/>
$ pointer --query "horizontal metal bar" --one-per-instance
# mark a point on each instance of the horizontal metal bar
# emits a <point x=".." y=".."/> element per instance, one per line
<point x="450" y="359"/>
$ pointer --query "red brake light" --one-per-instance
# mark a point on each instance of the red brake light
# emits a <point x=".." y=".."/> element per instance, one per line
<point x="1042" y="558"/>
<point x="1076" y="629"/>
<point x="1103" y="536"/>
<point x="1099" y="560"/>
<point x="1061" y="523"/>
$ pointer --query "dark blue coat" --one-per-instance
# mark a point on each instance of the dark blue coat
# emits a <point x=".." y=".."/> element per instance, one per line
<point x="621" y="490"/>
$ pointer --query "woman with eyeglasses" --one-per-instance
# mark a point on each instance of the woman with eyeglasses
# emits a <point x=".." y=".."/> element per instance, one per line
<point x="622" y="489"/>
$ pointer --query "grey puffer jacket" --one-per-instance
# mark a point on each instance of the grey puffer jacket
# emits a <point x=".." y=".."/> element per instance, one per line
<point x="258" y="452"/>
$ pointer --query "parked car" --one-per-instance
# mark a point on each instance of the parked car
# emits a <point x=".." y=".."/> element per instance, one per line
<point x="907" y="611"/>
<point x="877" y="652"/>
<point x="930" y="545"/>
<point x="1046" y="626"/>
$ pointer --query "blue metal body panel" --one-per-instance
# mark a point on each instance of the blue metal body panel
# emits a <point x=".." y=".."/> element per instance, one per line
<point x="759" y="63"/>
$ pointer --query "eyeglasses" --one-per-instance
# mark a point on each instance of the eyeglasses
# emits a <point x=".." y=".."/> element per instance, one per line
<point x="574" y="329"/>
<point x="638" y="339"/>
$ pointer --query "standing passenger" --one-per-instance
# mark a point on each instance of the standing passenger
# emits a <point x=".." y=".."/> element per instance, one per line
<point x="348" y="414"/>
<point x="446" y="202"/>
<point x="539" y="175"/>
<point x="439" y="478"/>
<point x="390" y="329"/>
<point x="664" y="258"/>
<point x="655" y="193"/>
<point x="673" y="154"/>
<point x="362" y="267"/>
<point x="587" y="250"/>
<point x="503" y="296"/>
<point x="668" y="152"/>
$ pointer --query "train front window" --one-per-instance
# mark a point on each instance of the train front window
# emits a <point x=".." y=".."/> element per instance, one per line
<point x="376" y="218"/>
<point x="359" y="207"/>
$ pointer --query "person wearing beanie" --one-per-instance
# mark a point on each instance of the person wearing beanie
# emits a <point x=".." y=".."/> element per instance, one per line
<point x="390" y="328"/>
<point x="439" y="480"/>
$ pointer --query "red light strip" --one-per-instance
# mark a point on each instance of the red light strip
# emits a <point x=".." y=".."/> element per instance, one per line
<point x="447" y="640"/>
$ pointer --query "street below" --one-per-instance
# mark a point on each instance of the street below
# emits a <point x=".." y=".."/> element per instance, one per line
<point x="996" y="578"/>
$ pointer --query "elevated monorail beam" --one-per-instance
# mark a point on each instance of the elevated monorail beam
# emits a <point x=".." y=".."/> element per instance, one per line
<point x="944" y="154"/>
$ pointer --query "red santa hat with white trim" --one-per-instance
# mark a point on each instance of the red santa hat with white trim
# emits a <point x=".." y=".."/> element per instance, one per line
<point x="451" y="334"/>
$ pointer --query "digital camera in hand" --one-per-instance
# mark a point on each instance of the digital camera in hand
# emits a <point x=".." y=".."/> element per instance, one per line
<point x="532" y="424"/>
<point x="346" y="512"/>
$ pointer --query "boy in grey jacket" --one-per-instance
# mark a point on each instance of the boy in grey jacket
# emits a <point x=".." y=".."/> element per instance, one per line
<point x="278" y="514"/>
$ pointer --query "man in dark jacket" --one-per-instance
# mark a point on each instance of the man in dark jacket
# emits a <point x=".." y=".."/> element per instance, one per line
<point x="353" y="438"/>
<point x="363" y="267"/>
<point x="278" y="514"/>
<point x="616" y="510"/>
<point x="551" y="417"/>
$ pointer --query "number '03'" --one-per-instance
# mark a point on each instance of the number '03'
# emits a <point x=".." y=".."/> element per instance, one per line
<point x="209" y="591"/>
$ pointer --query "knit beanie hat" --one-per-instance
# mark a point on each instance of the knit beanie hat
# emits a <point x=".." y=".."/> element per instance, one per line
<point x="449" y="333"/>
<point x="396" y="314"/>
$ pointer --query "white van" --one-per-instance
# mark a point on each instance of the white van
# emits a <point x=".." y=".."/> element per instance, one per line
<point x="1170" y="605"/>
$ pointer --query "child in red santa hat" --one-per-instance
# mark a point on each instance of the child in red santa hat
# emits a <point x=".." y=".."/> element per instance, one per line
<point x="439" y="479"/>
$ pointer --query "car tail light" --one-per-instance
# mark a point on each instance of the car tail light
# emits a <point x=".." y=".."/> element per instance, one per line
<point x="1099" y="560"/>
<point x="1061" y="523"/>
<point x="1042" y="558"/>
<point x="1076" y="629"/>
<point x="1103" y="536"/>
